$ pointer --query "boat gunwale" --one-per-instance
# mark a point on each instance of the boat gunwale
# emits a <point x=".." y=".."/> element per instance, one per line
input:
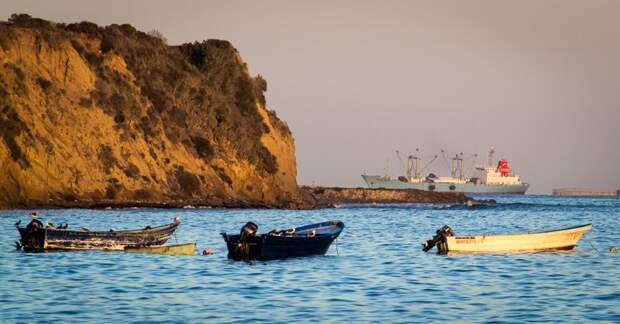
<point x="156" y="229"/>
<point x="567" y="229"/>
<point x="339" y="227"/>
<point x="335" y="223"/>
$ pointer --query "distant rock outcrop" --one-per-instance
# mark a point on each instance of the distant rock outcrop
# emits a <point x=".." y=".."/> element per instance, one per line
<point x="94" y="115"/>
<point x="325" y="196"/>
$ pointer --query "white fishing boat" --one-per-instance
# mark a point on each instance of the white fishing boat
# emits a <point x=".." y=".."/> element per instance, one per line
<point x="560" y="239"/>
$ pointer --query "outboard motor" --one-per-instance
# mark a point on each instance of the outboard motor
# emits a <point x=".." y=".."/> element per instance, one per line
<point x="248" y="231"/>
<point x="32" y="237"/>
<point x="439" y="238"/>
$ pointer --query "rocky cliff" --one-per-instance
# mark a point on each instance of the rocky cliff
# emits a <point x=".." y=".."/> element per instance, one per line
<point x="112" y="115"/>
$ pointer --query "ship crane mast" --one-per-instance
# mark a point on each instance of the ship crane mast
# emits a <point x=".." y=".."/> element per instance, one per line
<point x="457" y="166"/>
<point x="473" y="165"/>
<point x="490" y="158"/>
<point x="406" y="166"/>
<point x="415" y="163"/>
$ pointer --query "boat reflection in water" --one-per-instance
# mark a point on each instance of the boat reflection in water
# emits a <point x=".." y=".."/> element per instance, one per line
<point x="174" y="249"/>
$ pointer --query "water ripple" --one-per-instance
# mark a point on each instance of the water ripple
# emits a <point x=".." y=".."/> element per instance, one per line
<point x="376" y="272"/>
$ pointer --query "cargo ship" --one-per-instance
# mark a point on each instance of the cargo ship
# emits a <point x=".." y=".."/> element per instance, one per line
<point x="489" y="179"/>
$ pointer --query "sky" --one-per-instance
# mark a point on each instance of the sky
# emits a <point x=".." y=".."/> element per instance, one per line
<point x="357" y="80"/>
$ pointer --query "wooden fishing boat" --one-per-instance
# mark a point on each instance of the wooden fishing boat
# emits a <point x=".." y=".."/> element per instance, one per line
<point x="36" y="237"/>
<point x="307" y="240"/>
<point x="182" y="249"/>
<point x="560" y="239"/>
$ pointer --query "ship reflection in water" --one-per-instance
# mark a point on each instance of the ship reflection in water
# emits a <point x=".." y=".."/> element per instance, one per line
<point x="490" y="179"/>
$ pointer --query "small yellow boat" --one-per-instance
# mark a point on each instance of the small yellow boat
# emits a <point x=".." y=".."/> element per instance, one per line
<point x="183" y="249"/>
<point x="561" y="239"/>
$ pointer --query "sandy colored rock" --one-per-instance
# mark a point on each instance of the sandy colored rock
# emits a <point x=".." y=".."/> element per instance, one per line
<point x="95" y="116"/>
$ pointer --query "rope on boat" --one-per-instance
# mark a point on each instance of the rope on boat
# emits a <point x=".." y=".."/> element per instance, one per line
<point x="612" y="249"/>
<point x="592" y="245"/>
<point x="337" y="253"/>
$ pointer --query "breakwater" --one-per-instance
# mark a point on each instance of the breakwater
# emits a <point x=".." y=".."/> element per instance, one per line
<point x="323" y="196"/>
<point x="584" y="192"/>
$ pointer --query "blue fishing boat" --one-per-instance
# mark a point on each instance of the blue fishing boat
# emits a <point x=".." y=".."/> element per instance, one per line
<point x="307" y="240"/>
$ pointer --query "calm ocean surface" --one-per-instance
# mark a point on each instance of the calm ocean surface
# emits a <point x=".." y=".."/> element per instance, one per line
<point x="375" y="271"/>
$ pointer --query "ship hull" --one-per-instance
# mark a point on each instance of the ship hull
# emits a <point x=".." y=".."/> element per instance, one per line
<point x="472" y="188"/>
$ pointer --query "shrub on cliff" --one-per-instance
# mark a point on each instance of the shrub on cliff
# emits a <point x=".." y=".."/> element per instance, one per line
<point x="203" y="147"/>
<point x="159" y="35"/>
<point x="188" y="182"/>
<point x="132" y="171"/>
<point x="107" y="158"/>
<point x="85" y="27"/>
<point x="7" y="37"/>
<point x="27" y="21"/>
<point x="267" y="160"/>
<point x="12" y="128"/>
<point x="260" y="87"/>
<point x="45" y="84"/>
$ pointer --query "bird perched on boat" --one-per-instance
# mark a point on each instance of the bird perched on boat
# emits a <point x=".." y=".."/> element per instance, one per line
<point x="177" y="219"/>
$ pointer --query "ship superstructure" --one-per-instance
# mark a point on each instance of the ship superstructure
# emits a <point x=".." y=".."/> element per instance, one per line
<point x="487" y="179"/>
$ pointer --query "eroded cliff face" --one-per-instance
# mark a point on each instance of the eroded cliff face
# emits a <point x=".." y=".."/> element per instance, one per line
<point x="114" y="115"/>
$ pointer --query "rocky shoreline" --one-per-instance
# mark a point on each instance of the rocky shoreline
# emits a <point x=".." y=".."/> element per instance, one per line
<point x="171" y="204"/>
<point x="314" y="197"/>
<point x="325" y="196"/>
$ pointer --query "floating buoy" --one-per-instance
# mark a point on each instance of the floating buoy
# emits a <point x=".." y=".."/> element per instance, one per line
<point x="207" y="251"/>
<point x="613" y="249"/>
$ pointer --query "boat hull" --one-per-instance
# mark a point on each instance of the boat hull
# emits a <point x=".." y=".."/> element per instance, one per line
<point x="563" y="239"/>
<point x="269" y="247"/>
<point x="375" y="182"/>
<point x="175" y="249"/>
<point x="62" y="239"/>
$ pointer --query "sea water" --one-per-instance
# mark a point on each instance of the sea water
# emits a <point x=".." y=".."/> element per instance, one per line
<point x="375" y="271"/>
